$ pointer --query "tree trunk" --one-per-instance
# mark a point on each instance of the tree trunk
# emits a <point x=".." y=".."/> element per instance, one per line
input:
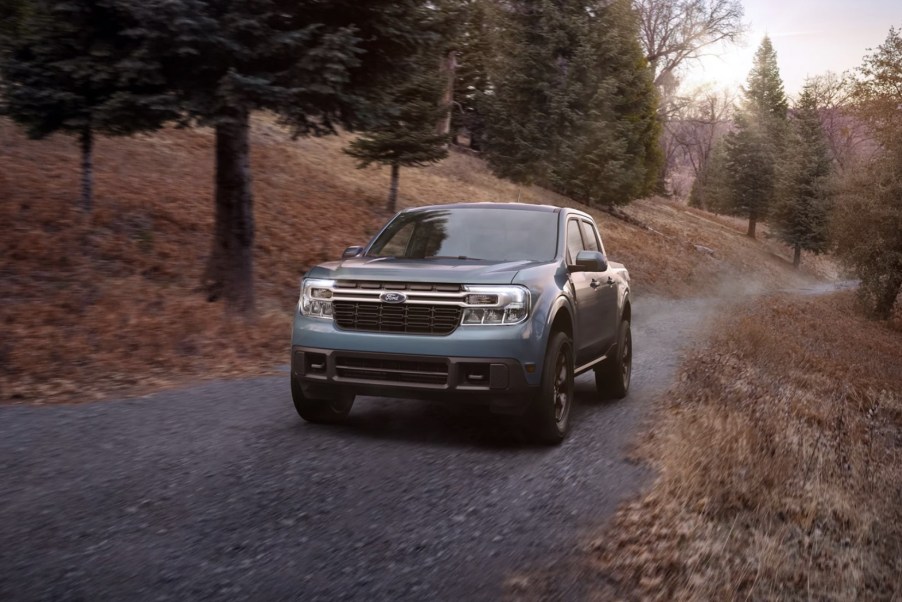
<point x="753" y="223"/>
<point x="797" y="256"/>
<point x="449" y="69"/>
<point x="887" y="297"/>
<point x="661" y="183"/>
<point x="86" y="139"/>
<point x="475" y="141"/>
<point x="393" y="188"/>
<point x="230" y="268"/>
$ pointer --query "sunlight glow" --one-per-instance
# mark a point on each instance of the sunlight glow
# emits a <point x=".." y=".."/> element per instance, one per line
<point x="810" y="38"/>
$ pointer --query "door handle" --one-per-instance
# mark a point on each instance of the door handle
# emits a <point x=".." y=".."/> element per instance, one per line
<point x="594" y="283"/>
<point x="610" y="281"/>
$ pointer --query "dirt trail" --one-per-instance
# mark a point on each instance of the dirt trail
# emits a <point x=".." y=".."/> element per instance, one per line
<point x="220" y="490"/>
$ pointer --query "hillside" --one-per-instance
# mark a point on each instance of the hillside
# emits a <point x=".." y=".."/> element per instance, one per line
<point x="108" y="305"/>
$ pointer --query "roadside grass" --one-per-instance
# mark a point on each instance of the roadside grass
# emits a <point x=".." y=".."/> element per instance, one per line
<point x="779" y="465"/>
<point x="109" y="305"/>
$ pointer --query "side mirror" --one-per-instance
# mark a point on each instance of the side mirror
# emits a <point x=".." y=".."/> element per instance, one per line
<point x="589" y="261"/>
<point x="351" y="252"/>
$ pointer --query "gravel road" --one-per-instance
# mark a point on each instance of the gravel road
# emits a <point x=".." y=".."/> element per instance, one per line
<point x="220" y="490"/>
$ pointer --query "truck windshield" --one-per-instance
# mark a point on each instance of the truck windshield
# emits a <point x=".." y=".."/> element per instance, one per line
<point x="474" y="233"/>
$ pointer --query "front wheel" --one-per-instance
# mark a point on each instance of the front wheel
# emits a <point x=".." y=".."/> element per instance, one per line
<point x="329" y="410"/>
<point x="612" y="378"/>
<point x="551" y="408"/>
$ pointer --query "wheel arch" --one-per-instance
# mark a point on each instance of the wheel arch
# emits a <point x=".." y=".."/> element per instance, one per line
<point x="561" y="318"/>
<point x="627" y="312"/>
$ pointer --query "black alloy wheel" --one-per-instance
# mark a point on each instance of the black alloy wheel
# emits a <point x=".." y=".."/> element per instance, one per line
<point x="549" y="419"/>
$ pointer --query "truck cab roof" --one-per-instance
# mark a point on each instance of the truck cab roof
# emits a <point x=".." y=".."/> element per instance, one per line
<point x="485" y="205"/>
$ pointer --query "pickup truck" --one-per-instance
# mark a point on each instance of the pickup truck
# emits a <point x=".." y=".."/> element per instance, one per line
<point x="501" y="304"/>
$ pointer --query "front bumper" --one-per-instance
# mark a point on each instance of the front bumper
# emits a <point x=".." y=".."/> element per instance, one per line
<point x="522" y="343"/>
<point x="501" y="383"/>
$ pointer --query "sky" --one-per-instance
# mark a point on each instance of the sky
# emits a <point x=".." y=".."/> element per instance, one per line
<point x="810" y="37"/>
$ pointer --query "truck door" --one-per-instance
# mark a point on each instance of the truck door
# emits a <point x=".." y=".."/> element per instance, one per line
<point x="587" y="339"/>
<point x="606" y="293"/>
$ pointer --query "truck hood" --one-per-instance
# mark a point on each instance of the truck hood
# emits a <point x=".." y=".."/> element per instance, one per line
<point x="421" y="270"/>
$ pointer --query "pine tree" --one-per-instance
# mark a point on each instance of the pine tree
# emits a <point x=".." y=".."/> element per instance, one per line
<point x="754" y="148"/>
<point x="765" y="99"/>
<point x="867" y="219"/>
<point x="12" y="15"/>
<point x="711" y="188"/>
<point x="802" y="201"/>
<point x="406" y="136"/>
<point x="612" y="154"/>
<point x="472" y="84"/>
<point x="750" y="168"/>
<point x="528" y="115"/>
<point x="315" y="64"/>
<point x="71" y="67"/>
<point x="573" y="104"/>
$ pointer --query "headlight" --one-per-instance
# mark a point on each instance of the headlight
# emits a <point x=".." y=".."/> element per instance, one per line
<point x="499" y="305"/>
<point x="316" y="298"/>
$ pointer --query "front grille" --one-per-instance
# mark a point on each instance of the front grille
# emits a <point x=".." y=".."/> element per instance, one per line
<point x="406" y="318"/>
<point x="398" y="286"/>
<point x="385" y="370"/>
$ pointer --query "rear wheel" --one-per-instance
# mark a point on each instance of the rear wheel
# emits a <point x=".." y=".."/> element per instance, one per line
<point x="550" y="415"/>
<point x="329" y="410"/>
<point x="612" y="378"/>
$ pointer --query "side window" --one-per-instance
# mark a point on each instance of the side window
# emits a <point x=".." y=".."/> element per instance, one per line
<point x="574" y="240"/>
<point x="590" y="237"/>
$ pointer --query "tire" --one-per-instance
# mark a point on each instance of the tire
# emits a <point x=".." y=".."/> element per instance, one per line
<point x="612" y="378"/>
<point x="550" y="415"/>
<point x="331" y="410"/>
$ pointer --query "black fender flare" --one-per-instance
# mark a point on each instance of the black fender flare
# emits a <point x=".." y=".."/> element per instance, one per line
<point x="622" y="302"/>
<point x="562" y="303"/>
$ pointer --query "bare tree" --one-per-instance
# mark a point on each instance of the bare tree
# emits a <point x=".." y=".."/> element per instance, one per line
<point x="846" y="133"/>
<point x="698" y="120"/>
<point x="675" y="31"/>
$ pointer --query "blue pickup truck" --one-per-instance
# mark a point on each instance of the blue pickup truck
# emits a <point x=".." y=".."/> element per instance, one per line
<point x="495" y="303"/>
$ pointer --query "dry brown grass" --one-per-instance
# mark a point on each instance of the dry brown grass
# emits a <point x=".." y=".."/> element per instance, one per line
<point x="779" y="459"/>
<point x="109" y="304"/>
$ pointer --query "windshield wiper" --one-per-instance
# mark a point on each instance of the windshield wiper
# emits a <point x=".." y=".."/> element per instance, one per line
<point x="463" y="257"/>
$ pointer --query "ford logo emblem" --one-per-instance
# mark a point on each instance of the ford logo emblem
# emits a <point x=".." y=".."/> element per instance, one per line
<point x="393" y="298"/>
